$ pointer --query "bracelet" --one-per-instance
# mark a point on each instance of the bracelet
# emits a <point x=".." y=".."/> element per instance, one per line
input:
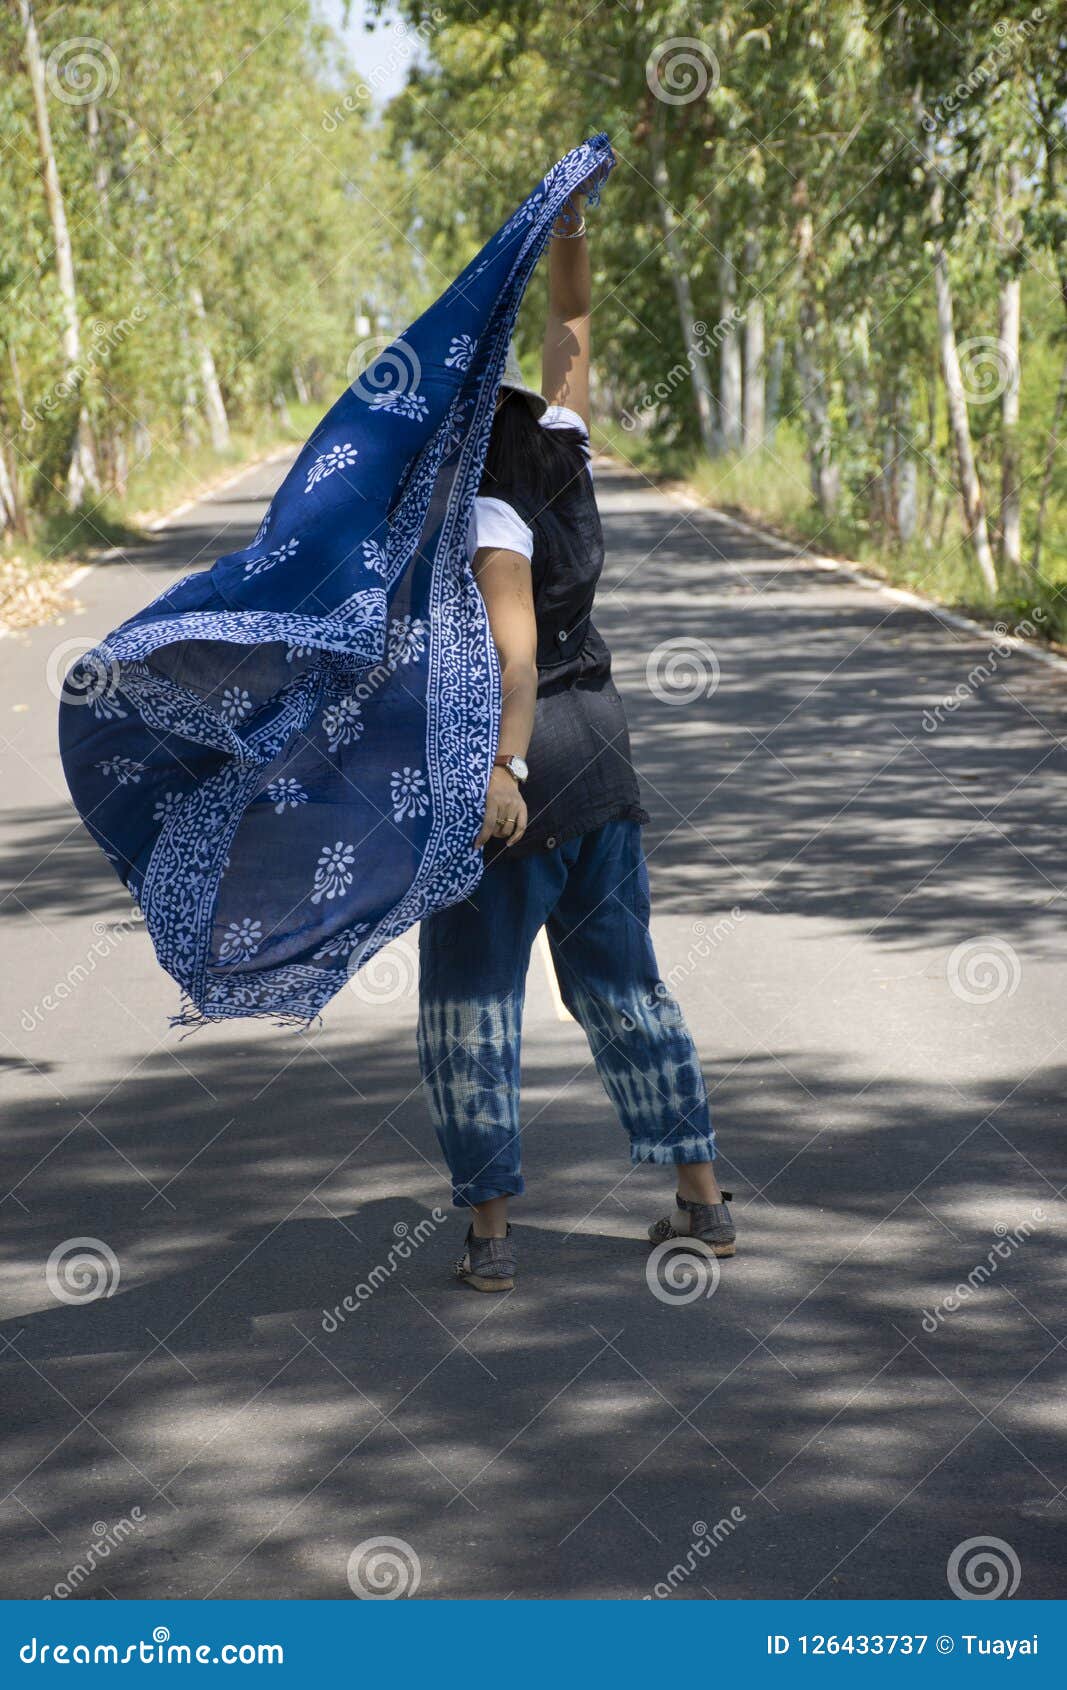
<point x="570" y="235"/>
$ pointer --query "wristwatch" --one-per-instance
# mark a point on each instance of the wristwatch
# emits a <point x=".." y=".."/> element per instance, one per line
<point x="515" y="766"/>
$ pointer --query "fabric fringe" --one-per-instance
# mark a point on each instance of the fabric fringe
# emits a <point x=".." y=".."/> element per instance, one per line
<point x="193" y="1019"/>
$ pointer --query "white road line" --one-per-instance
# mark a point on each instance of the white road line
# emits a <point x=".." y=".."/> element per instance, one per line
<point x="855" y="572"/>
<point x="161" y="522"/>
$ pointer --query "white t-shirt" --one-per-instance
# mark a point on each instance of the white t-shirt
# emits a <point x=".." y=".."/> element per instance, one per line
<point x="496" y="523"/>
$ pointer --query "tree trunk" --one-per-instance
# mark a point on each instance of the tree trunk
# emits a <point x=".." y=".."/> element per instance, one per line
<point x="1011" y="545"/>
<point x="9" y="505"/>
<point x="120" y="461"/>
<point x="898" y="477"/>
<point x="825" y="476"/>
<point x="101" y="170"/>
<point x="887" y="471"/>
<point x="753" y="405"/>
<point x="852" y="341"/>
<point x="933" y="474"/>
<point x="974" y="515"/>
<point x="730" y="359"/>
<point x="189" y="409"/>
<point x="81" y="476"/>
<point x="1048" y="115"/>
<point x="696" y="352"/>
<point x="301" y="385"/>
<point x="959" y="421"/>
<point x="907" y="475"/>
<point x="1050" y="461"/>
<point x="214" y="405"/>
<point x="1010" y="500"/>
<point x="774" y="387"/>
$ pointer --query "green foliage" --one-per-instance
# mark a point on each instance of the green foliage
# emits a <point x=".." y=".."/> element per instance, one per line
<point x="801" y="160"/>
<point x="222" y="191"/>
<point x="805" y="161"/>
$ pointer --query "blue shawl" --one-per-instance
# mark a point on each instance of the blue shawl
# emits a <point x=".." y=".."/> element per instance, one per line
<point x="286" y="757"/>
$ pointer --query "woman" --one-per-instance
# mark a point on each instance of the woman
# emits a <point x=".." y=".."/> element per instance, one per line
<point x="561" y="831"/>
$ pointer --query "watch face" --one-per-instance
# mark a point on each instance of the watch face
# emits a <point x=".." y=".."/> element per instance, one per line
<point x="518" y="768"/>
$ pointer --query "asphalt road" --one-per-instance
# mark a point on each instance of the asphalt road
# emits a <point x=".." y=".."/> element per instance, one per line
<point x="863" y="916"/>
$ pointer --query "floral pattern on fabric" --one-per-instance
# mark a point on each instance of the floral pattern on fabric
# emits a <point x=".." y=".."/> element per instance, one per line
<point x="289" y="752"/>
<point x="286" y="795"/>
<point x="402" y="403"/>
<point x="460" y="351"/>
<point x="333" y="871"/>
<point x="327" y="463"/>
<point x="256" y="565"/>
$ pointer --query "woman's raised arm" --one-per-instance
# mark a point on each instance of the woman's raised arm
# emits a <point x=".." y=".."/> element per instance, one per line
<point x="565" y="355"/>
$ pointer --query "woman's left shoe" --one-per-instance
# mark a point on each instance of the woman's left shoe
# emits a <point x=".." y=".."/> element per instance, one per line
<point x="711" y="1223"/>
<point x="487" y="1264"/>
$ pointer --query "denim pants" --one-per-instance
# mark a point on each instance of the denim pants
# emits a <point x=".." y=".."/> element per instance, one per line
<point x="591" y="894"/>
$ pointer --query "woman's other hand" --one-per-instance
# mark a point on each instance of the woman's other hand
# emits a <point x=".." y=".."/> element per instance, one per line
<point x="505" y="810"/>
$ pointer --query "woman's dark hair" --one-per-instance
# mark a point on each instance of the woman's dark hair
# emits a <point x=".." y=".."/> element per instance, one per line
<point x="522" y="454"/>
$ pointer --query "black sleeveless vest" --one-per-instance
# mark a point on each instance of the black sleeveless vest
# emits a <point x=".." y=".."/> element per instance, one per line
<point x="581" y="773"/>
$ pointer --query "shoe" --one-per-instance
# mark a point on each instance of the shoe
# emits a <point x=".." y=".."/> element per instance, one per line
<point x="487" y="1264"/>
<point x="710" y="1222"/>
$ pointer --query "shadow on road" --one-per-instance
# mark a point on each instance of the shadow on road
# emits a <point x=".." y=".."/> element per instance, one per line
<point x="567" y="1437"/>
<point x="583" y="1435"/>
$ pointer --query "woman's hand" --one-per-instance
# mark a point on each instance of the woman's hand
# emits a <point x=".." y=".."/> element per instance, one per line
<point x="594" y="179"/>
<point x="505" y="810"/>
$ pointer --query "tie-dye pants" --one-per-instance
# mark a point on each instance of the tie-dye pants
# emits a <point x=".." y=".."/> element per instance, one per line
<point x="591" y="895"/>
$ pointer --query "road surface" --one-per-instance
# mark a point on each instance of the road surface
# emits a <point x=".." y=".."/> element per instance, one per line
<point x="858" y="898"/>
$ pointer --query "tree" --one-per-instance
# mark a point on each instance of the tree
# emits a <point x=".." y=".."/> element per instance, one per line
<point x="81" y="472"/>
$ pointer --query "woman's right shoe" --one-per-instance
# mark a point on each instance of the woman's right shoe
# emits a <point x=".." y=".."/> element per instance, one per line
<point x="487" y="1264"/>
<point x="711" y="1223"/>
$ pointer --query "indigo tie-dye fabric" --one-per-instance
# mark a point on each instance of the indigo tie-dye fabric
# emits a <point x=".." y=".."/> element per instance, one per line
<point x="285" y="757"/>
<point x="591" y="895"/>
